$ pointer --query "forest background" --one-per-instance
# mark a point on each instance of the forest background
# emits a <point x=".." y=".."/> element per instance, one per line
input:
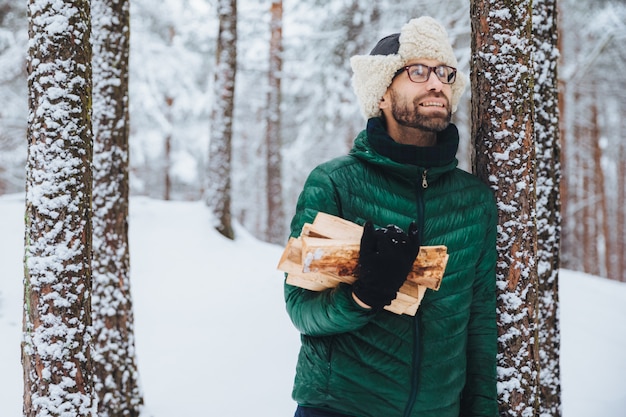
<point x="182" y="124"/>
<point x="170" y="105"/>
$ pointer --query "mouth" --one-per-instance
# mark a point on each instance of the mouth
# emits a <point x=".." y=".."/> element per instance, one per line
<point x="432" y="104"/>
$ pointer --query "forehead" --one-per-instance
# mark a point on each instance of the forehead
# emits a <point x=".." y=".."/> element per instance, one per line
<point x="424" y="61"/>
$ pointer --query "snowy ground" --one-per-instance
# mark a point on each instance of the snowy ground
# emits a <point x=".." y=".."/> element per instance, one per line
<point x="213" y="338"/>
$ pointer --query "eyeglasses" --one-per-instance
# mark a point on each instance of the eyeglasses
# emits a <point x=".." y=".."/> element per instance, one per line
<point x="420" y="73"/>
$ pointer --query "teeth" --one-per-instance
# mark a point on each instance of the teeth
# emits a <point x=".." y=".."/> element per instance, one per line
<point x="432" y="104"/>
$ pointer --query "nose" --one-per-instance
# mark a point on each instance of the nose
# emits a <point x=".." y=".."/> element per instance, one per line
<point x="433" y="82"/>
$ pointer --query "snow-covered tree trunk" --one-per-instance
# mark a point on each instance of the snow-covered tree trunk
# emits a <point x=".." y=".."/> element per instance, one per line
<point x="546" y="56"/>
<point x="219" y="166"/>
<point x="502" y="130"/>
<point x="56" y="353"/>
<point x="114" y="364"/>
<point x="276" y="227"/>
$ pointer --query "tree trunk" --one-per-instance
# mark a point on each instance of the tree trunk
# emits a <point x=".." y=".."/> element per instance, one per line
<point x="219" y="167"/>
<point x="114" y="364"/>
<point x="167" y="153"/>
<point x="564" y="159"/>
<point x="601" y="214"/>
<point x="56" y="353"/>
<point x="275" y="212"/>
<point x="576" y="255"/>
<point x="621" y="208"/>
<point x="589" y="201"/>
<point x="503" y="122"/>
<point x="3" y="186"/>
<point x="548" y="175"/>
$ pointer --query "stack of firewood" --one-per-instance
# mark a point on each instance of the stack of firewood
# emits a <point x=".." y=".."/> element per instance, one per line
<point x="327" y="253"/>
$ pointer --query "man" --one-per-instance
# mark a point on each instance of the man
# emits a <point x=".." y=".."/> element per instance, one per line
<point x="402" y="182"/>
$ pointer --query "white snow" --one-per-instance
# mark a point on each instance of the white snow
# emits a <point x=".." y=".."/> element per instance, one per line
<point x="213" y="338"/>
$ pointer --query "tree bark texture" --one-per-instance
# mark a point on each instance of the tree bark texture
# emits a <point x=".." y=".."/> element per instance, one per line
<point x="220" y="147"/>
<point x="114" y="363"/>
<point x="56" y="354"/>
<point x="276" y="226"/>
<point x="548" y="145"/>
<point x="502" y="130"/>
<point x="601" y="215"/>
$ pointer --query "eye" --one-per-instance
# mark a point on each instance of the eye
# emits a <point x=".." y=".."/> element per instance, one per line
<point x="442" y="72"/>
<point x="417" y="70"/>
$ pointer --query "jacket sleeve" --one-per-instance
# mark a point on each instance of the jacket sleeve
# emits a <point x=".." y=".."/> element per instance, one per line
<point x="480" y="393"/>
<point x="334" y="310"/>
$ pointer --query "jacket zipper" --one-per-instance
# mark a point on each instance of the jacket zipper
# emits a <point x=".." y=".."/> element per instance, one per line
<point x="419" y="205"/>
<point x="416" y="365"/>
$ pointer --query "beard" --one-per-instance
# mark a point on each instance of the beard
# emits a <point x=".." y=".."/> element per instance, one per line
<point x="411" y="116"/>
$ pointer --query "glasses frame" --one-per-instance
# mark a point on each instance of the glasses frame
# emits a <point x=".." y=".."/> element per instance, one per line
<point x="430" y="70"/>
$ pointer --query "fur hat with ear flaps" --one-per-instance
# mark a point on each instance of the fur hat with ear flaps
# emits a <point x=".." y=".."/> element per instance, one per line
<point x="422" y="38"/>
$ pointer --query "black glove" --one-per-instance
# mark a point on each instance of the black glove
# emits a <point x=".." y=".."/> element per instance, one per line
<point x="385" y="259"/>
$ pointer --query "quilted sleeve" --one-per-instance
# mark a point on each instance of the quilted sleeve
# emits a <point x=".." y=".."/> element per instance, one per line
<point x="334" y="310"/>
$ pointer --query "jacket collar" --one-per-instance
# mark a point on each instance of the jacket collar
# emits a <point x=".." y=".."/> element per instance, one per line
<point x="440" y="155"/>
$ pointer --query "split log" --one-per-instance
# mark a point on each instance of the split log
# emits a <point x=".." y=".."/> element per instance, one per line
<point x="341" y="258"/>
<point x="333" y="227"/>
<point x="327" y="252"/>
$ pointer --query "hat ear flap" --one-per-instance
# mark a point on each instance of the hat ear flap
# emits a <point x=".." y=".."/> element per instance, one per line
<point x="457" y="90"/>
<point x="372" y="75"/>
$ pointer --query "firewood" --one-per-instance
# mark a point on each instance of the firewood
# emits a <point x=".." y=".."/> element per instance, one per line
<point x="327" y="252"/>
<point x="341" y="258"/>
<point x="333" y="227"/>
<point x="315" y="281"/>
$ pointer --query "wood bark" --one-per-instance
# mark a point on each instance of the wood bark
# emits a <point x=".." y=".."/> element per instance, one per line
<point x="548" y="145"/>
<point x="601" y="213"/>
<point x="588" y="199"/>
<point x="576" y="257"/>
<point x="503" y="135"/>
<point x="56" y="352"/>
<point x="220" y="147"/>
<point x="116" y="375"/>
<point x="275" y="212"/>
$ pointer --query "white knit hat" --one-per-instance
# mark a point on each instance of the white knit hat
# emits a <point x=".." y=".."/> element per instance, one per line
<point x="423" y="38"/>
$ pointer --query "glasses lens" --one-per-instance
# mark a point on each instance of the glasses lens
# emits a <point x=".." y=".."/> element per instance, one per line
<point x="446" y="74"/>
<point x="450" y="75"/>
<point x="418" y="73"/>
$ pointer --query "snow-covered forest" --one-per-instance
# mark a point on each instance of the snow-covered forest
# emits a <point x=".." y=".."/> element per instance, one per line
<point x="275" y="77"/>
<point x="171" y="64"/>
<point x="232" y="360"/>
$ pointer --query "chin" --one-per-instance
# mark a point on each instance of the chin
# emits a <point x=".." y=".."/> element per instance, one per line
<point x="432" y="124"/>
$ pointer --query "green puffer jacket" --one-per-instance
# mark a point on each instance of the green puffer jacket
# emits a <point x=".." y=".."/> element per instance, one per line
<point x="440" y="363"/>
